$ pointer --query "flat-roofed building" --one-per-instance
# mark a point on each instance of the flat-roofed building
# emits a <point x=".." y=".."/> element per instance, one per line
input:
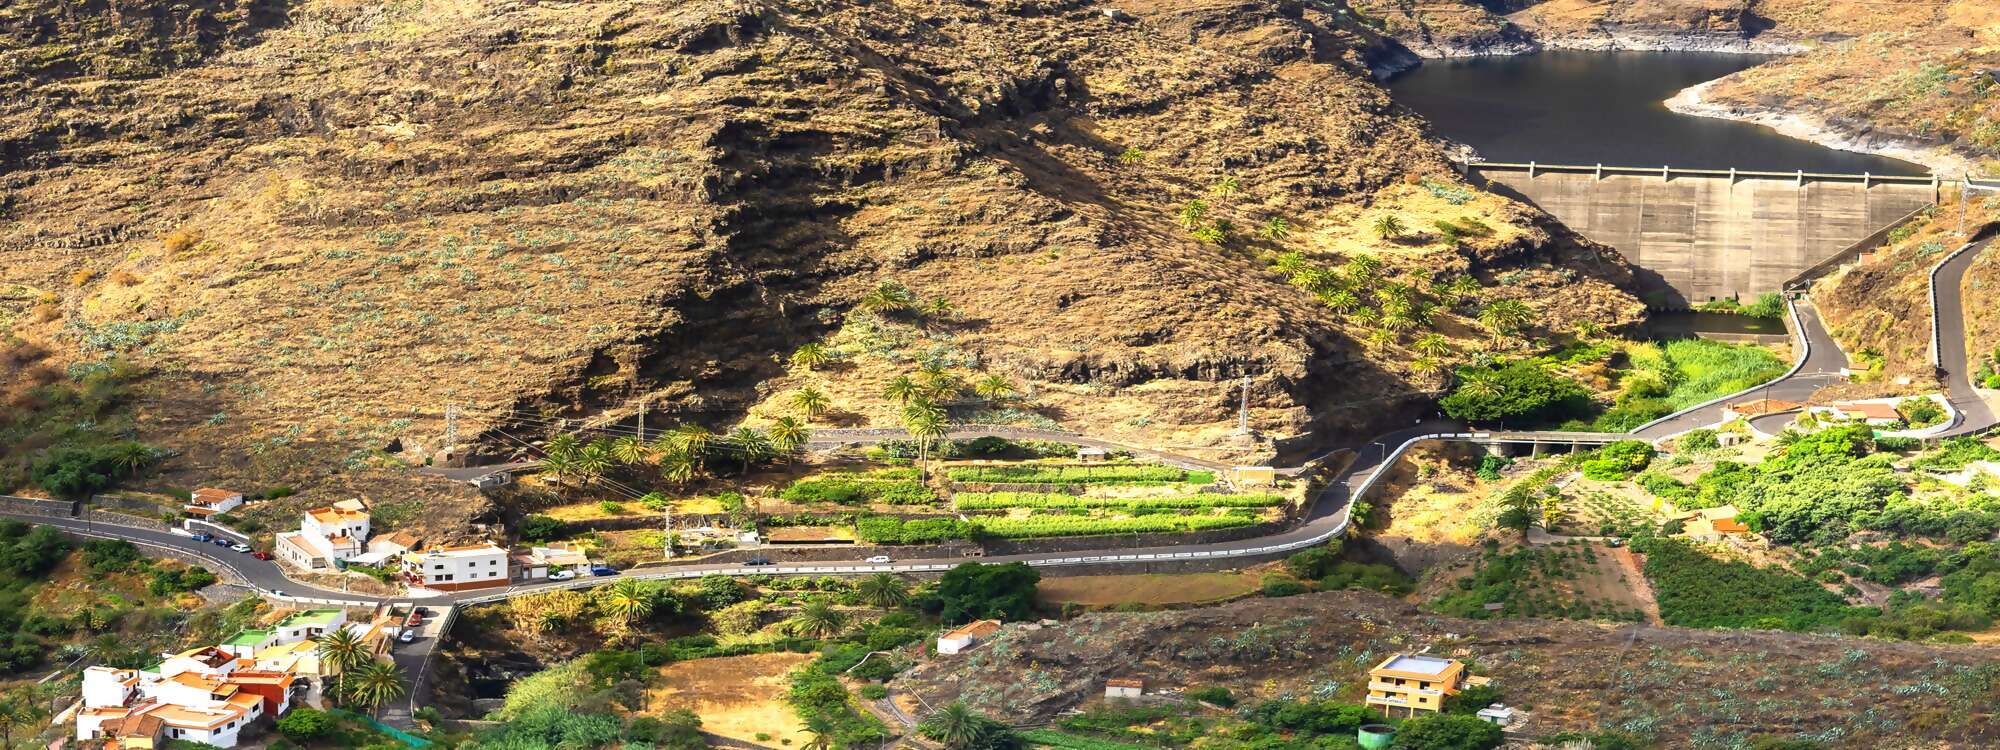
<point x="458" y="568"/>
<point x="1414" y="682"/>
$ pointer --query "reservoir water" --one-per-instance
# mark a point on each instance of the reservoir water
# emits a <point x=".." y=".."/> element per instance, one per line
<point x="1574" y="107"/>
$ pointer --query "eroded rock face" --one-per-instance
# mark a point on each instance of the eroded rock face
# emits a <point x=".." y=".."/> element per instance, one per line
<point x="374" y="209"/>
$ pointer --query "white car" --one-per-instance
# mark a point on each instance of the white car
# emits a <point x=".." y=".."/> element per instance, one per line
<point x="239" y="547"/>
<point x="562" y="575"/>
<point x="879" y="559"/>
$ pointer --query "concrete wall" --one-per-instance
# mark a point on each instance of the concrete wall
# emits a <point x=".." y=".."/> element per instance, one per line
<point x="1704" y="237"/>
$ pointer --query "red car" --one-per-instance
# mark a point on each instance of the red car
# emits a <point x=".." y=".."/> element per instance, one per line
<point x="261" y="555"/>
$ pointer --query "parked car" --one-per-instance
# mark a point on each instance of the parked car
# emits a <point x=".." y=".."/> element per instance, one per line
<point x="562" y="575"/>
<point x="415" y="620"/>
<point x="261" y="555"/>
<point x="201" y="537"/>
<point x="422" y="611"/>
<point x="879" y="560"/>
<point x="221" y="542"/>
<point x="603" y="570"/>
<point x="239" y="548"/>
<point x="409" y="635"/>
<point x="758" y="561"/>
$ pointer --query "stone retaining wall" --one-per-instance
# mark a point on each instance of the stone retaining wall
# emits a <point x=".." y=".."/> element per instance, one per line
<point x="126" y="519"/>
<point x="35" y="507"/>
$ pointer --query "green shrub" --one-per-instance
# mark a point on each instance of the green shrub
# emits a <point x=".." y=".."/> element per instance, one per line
<point x="1051" y="525"/>
<point x="1448" y="732"/>
<point x="1702" y="439"/>
<point x="1920" y="412"/>
<point x="303" y="724"/>
<point x="1279" y="584"/>
<point x="1519" y="391"/>
<point x="1619" y="460"/>
<point x="1695" y="590"/>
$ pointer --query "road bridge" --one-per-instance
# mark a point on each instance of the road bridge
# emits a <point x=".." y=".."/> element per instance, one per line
<point x="1700" y="235"/>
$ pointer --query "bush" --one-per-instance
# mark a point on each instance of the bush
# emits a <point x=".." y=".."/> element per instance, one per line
<point x="1319" y="717"/>
<point x="888" y="486"/>
<point x="540" y="528"/>
<point x="1897" y="444"/>
<point x="1278" y="584"/>
<point x="1702" y="439"/>
<point x="303" y="724"/>
<point x="1520" y="391"/>
<point x="1920" y="412"/>
<point x="1313" y="562"/>
<point x="1619" y="460"/>
<point x="1383" y="578"/>
<point x="1448" y="732"/>
<point x="973" y="591"/>
<point x="874" y="692"/>
<point x="1469" y="701"/>
<point x="893" y="530"/>
<point x="1214" y="695"/>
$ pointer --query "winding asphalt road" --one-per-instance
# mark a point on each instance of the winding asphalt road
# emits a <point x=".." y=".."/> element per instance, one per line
<point x="1949" y="345"/>
<point x="1328" y="517"/>
<point x="1819" y="365"/>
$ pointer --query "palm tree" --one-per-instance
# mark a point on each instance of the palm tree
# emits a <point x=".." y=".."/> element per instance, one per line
<point x="993" y="388"/>
<point x="925" y="423"/>
<point x="377" y="683"/>
<point x="811" y="356"/>
<point x="693" y="440"/>
<point x="938" y="307"/>
<point x="903" y="389"/>
<point x="883" y="590"/>
<point x="630" y="450"/>
<point x="560" y="464"/>
<point x="343" y="650"/>
<point x="1389" y="227"/>
<point x="18" y="711"/>
<point x="1434" y="345"/>
<point x="627" y="600"/>
<point x="821" y="729"/>
<point x="565" y="445"/>
<point x="751" y="446"/>
<point x="787" y="434"/>
<point x="1381" y="338"/>
<point x="1481" y="386"/>
<point x="810" y="401"/>
<point x="132" y="457"/>
<point x="594" y="460"/>
<point x="940" y="386"/>
<point x="678" y="468"/>
<point x="955" y="726"/>
<point x="816" y="620"/>
<point x="1505" y="316"/>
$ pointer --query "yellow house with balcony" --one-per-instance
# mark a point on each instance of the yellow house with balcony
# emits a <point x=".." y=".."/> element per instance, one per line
<point x="1416" y="682"/>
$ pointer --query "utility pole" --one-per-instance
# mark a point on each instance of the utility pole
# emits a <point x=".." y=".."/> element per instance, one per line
<point x="450" y="426"/>
<point x="1243" y="409"/>
<point x="642" y="421"/>
<point x="667" y="529"/>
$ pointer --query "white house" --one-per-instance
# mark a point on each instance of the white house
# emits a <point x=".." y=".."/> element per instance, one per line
<point x="203" y="695"/>
<point x="1119" y="687"/>
<point x="458" y="568"/>
<point x="966" y="637"/>
<point x="1497" y="714"/>
<point x="326" y="536"/>
<point x="209" y="501"/>
<point x="1871" y="413"/>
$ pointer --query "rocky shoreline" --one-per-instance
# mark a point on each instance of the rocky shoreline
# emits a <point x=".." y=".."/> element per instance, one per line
<point x="1694" y="100"/>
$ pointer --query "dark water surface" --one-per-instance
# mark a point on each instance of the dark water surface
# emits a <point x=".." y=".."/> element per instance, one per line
<point x="1689" y="324"/>
<point x="1572" y="107"/>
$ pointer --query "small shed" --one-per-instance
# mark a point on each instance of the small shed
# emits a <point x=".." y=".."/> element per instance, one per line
<point x="966" y="637"/>
<point x="1497" y="714"/>
<point x="1123" y="687"/>
<point x="1090" y="454"/>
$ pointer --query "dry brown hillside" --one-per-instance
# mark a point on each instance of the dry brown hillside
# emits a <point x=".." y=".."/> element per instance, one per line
<point x="320" y="231"/>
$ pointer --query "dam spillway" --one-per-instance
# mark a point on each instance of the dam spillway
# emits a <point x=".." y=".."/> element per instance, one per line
<point x="1703" y="235"/>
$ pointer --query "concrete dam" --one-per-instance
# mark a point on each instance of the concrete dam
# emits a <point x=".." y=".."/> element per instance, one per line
<point x="1699" y="235"/>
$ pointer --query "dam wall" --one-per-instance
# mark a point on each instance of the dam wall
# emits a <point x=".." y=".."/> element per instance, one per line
<point x="1703" y="235"/>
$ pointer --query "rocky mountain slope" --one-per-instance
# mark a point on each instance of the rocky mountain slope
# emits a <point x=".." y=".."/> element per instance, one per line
<point x="322" y="221"/>
<point x="1566" y="676"/>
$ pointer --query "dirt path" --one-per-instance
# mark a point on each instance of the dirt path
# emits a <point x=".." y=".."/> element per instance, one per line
<point x="1641" y="589"/>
